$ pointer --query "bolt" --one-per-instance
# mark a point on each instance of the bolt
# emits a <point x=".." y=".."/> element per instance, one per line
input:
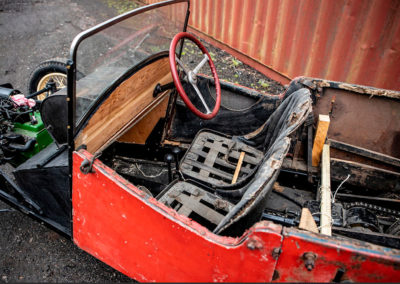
<point x="309" y="260"/>
<point x="254" y="243"/>
<point x="276" y="252"/>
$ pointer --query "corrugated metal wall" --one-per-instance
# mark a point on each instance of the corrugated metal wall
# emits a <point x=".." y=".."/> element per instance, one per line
<point x="356" y="41"/>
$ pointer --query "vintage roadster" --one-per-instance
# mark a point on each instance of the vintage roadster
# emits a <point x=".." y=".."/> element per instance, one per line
<point x="169" y="175"/>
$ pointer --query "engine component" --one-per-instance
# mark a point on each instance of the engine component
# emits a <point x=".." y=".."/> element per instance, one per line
<point x="7" y="91"/>
<point x="359" y="217"/>
<point x="22" y="133"/>
<point x="373" y="207"/>
<point x="394" y="229"/>
<point x="336" y="211"/>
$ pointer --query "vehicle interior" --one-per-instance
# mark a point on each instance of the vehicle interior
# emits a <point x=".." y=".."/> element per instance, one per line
<point x="224" y="155"/>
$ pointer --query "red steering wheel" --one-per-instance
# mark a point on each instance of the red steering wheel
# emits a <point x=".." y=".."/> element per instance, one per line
<point x="191" y="76"/>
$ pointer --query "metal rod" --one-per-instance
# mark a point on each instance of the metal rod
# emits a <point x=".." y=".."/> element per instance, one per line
<point x="45" y="89"/>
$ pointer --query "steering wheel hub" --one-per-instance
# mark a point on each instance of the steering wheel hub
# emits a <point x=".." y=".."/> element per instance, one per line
<point x="192" y="77"/>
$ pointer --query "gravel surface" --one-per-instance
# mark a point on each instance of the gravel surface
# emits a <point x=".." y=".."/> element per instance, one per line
<point x="32" y="31"/>
<point x="230" y="68"/>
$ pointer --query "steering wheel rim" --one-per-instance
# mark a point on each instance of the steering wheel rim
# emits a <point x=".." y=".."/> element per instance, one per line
<point x="177" y="81"/>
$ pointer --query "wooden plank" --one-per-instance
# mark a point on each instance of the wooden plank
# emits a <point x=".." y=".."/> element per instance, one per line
<point x="365" y="152"/>
<point x="319" y="140"/>
<point x="252" y="157"/>
<point x="307" y="221"/>
<point x="326" y="214"/>
<point x="209" y="169"/>
<point x="219" y="161"/>
<point x="140" y="131"/>
<point x="129" y="102"/>
<point x="238" y="167"/>
<point x="201" y="209"/>
<point x="210" y="160"/>
<point x="211" y="180"/>
<point x="309" y="153"/>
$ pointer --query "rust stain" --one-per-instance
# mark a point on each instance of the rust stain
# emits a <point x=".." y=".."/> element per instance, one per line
<point x="371" y="92"/>
<point x="376" y="133"/>
<point x="255" y="243"/>
<point x="336" y="40"/>
<point x="278" y="187"/>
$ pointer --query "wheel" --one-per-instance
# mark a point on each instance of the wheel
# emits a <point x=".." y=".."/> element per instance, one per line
<point x="55" y="69"/>
<point x="191" y="76"/>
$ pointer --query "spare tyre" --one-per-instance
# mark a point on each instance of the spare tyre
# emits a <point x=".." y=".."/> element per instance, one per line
<point x="53" y="69"/>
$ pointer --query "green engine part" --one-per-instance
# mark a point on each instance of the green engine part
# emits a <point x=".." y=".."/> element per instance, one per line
<point x="37" y="131"/>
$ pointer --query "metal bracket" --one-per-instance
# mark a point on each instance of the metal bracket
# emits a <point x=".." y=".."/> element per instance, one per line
<point x="87" y="165"/>
<point x="161" y="88"/>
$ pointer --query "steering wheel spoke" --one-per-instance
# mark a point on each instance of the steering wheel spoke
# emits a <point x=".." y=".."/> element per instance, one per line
<point x="191" y="76"/>
<point x="201" y="64"/>
<point x="194" y="85"/>
<point x="182" y="65"/>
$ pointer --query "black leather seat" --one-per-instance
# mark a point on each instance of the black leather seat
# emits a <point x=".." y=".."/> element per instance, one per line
<point x="212" y="157"/>
<point x="265" y="148"/>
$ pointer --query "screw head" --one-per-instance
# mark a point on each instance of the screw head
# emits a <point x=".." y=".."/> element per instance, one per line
<point x="309" y="260"/>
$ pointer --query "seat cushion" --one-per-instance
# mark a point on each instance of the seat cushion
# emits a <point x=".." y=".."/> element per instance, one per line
<point x="250" y="207"/>
<point x="190" y="200"/>
<point x="213" y="158"/>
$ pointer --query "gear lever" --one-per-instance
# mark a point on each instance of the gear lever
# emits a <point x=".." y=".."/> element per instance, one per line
<point x="169" y="158"/>
<point x="176" y="151"/>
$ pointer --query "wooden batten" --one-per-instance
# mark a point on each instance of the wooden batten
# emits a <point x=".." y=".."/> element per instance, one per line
<point x="326" y="214"/>
<point x="320" y="137"/>
<point x="238" y="167"/>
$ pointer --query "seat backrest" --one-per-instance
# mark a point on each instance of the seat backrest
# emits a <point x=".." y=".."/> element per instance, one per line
<point x="250" y="207"/>
<point x="273" y="138"/>
<point x="55" y="117"/>
<point x="290" y="114"/>
<point x="207" y="159"/>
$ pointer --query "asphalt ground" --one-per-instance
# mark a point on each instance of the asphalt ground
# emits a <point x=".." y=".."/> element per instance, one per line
<point x="32" y="31"/>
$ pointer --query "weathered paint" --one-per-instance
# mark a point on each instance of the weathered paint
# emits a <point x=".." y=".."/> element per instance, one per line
<point x="354" y="41"/>
<point x="134" y="233"/>
<point x="361" y="262"/>
<point x="378" y="133"/>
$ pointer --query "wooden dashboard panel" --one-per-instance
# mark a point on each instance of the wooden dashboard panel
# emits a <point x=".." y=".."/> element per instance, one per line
<point x="139" y="133"/>
<point x="127" y="104"/>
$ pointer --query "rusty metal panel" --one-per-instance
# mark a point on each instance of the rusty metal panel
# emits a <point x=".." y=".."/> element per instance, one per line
<point x="355" y="41"/>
